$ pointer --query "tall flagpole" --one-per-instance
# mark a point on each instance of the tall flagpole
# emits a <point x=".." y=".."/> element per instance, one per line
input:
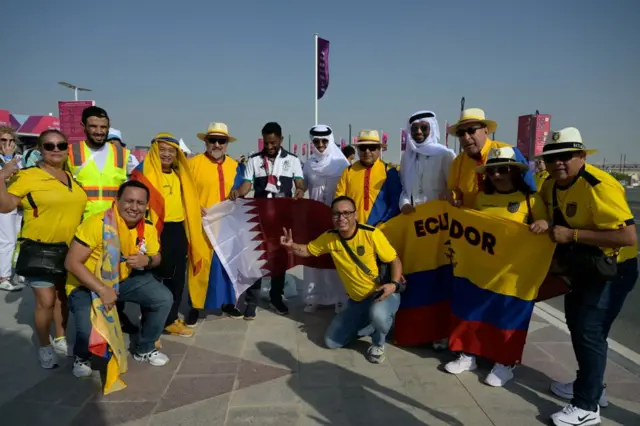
<point x="315" y="77"/>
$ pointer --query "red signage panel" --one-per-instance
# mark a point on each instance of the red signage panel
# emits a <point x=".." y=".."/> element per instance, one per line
<point x="70" y="113"/>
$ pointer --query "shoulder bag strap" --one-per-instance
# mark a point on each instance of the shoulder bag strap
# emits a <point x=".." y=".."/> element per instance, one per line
<point x="558" y="217"/>
<point x="355" y="259"/>
<point x="530" y="215"/>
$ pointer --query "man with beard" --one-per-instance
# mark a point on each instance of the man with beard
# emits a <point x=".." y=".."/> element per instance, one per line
<point x="215" y="175"/>
<point x="273" y="173"/>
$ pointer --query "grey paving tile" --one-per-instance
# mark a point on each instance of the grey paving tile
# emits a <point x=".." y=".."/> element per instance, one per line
<point x="224" y="325"/>
<point x="318" y="374"/>
<point x="34" y="414"/>
<point x="279" y="391"/>
<point x="263" y="416"/>
<point x="458" y="416"/>
<point x="251" y="373"/>
<point x="144" y="383"/>
<point x="204" y="413"/>
<point x="61" y="388"/>
<point x="185" y="390"/>
<point x="203" y="361"/>
<point x="225" y="343"/>
<point x="112" y="413"/>
<point x="547" y="334"/>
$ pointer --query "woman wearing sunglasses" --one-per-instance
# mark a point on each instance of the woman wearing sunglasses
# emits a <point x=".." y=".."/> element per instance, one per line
<point x="53" y="204"/>
<point x="508" y="192"/>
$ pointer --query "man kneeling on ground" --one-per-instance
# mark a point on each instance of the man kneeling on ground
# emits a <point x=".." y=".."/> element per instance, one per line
<point x="357" y="250"/>
<point x="110" y="258"/>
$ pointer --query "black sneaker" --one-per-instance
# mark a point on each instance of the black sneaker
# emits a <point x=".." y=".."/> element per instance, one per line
<point x="231" y="311"/>
<point x="279" y="306"/>
<point x="127" y="326"/>
<point x="250" y="313"/>
<point x="191" y="320"/>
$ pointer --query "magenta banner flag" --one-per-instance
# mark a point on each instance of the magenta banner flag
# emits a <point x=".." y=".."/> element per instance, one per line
<point x="304" y="149"/>
<point x="260" y="144"/>
<point x="323" y="66"/>
<point x="355" y="140"/>
<point x="385" y="138"/>
<point x="343" y="143"/>
<point x="403" y="140"/>
<point x="70" y="113"/>
<point x="295" y="148"/>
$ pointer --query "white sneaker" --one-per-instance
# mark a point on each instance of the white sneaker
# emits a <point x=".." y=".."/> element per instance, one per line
<point x="155" y="358"/>
<point x="81" y="368"/>
<point x="375" y="354"/>
<point x="310" y="308"/>
<point x="440" y="345"/>
<point x="462" y="364"/>
<point x="499" y="375"/>
<point x="8" y="285"/>
<point x="574" y="416"/>
<point x="61" y="346"/>
<point x="565" y="391"/>
<point x="47" y="357"/>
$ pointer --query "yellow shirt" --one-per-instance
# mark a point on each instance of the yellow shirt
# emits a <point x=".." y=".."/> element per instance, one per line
<point x="172" y="193"/>
<point x="89" y="234"/>
<point x="511" y="206"/>
<point x="463" y="176"/>
<point x="52" y="210"/>
<point x="213" y="180"/>
<point x="540" y="177"/>
<point x="367" y="243"/>
<point x="595" y="200"/>
<point x="362" y="184"/>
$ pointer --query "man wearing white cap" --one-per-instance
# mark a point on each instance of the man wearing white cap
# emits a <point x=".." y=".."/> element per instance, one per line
<point x="472" y="130"/>
<point x="115" y="135"/>
<point x="597" y="251"/>
<point x="321" y="174"/>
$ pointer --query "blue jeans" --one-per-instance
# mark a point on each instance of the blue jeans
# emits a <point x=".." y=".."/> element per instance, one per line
<point x="590" y="310"/>
<point x="364" y="318"/>
<point x="143" y="289"/>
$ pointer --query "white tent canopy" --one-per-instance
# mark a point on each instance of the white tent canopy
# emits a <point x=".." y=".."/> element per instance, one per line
<point x="184" y="147"/>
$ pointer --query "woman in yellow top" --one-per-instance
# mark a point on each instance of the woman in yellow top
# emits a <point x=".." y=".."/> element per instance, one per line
<point x="53" y="204"/>
<point x="174" y="209"/>
<point x="508" y="192"/>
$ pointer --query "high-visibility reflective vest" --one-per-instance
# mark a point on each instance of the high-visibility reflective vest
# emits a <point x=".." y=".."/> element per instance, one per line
<point x="101" y="186"/>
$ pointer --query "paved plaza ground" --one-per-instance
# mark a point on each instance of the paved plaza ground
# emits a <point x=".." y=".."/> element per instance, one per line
<point x="275" y="371"/>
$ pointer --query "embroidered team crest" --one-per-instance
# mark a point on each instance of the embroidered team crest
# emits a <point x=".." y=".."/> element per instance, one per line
<point x="513" y="207"/>
<point x="285" y="166"/>
<point x="571" y="209"/>
<point x="360" y="250"/>
<point x="555" y="136"/>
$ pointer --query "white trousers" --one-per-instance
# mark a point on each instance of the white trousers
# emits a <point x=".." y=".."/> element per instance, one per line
<point x="9" y="229"/>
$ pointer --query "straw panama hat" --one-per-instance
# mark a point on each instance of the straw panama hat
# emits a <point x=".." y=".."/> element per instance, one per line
<point x="216" y="129"/>
<point x="503" y="156"/>
<point x="473" y="115"/>
<point x="368" y="137"/>
<point x="568" y="139"/>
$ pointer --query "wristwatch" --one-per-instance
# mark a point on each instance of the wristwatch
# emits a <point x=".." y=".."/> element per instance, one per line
<point x="150" y="261"/>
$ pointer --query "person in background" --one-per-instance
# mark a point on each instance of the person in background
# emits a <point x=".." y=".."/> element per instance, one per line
<point x="508" y="192"/>
<point x="11" y="220"/>
<point x="372" y="304"/>
<point x="216" y="175"/>
<point x="321" y="174"/>
<point x="373" y="184"/>
<point x="174" y="209"/>
<point x="273" y="173"/>
<point x="472" y="130"/>
<point x="100" y="168"/>
<point x="53" y="204"/>
<point x="31" y="157"/>
<point x="350" y="153"/>
<point x="137" y="241"/>
<point x="541" y="173"/>
<point x="115" y="135"/>
<point x="592" y="225"/>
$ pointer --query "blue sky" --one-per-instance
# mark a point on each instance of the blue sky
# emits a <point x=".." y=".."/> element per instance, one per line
<point x="176" y="66"/>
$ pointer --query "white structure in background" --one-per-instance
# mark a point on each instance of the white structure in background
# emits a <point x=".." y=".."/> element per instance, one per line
<point x="184" y="147"/>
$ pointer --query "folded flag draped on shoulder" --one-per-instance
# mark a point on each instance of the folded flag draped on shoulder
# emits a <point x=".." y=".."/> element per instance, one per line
<point x="245" y="235"/>
<point x="476" y="284"/>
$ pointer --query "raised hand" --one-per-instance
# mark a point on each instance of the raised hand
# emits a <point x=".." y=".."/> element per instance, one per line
<point x="286" y="240"/>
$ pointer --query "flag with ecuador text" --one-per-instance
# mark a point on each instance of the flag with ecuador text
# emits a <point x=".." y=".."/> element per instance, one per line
<point x="470" y="277"/>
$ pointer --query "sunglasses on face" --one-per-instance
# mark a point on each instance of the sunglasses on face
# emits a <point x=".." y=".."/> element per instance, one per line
<point x="219" y="141"/>
<point x="562" y="156"/>
<point x="370" y="148"/>
<point x="469" y="130"/>
<point x="423" y="128"/>
<point x="50" y="146"/>
<point x="503" y="170"/>
<point x="346" y="215"/>
<point x="320" y="141"/>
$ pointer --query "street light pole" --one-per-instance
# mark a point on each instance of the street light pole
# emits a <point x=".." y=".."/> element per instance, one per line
<point x="75" y="89"/>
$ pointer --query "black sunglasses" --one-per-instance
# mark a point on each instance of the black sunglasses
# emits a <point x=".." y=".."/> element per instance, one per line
<point x="424" y="128"/>
<point x="219" y="141"/>
<point x="469" y="130"/>
<point x="50" y="146"/>
<point x="371" y="148"/>
<point x="561" y="156"/>
<point x="503" y="170"/>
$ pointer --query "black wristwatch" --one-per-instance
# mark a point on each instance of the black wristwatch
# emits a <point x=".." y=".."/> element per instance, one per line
<point x="399" y="286"/>
<point x="150" y="261"/>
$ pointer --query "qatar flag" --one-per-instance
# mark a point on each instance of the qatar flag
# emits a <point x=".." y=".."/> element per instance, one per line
<point x="245" y="235"/>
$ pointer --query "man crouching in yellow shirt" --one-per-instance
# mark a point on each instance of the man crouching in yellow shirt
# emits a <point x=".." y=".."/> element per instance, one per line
<point x="374" y="299"/>
<point x="139" y="253"/>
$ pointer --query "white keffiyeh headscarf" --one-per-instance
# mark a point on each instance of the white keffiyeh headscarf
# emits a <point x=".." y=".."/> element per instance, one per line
<point x="431" y="147"/>
<point x="331" y="162"/>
